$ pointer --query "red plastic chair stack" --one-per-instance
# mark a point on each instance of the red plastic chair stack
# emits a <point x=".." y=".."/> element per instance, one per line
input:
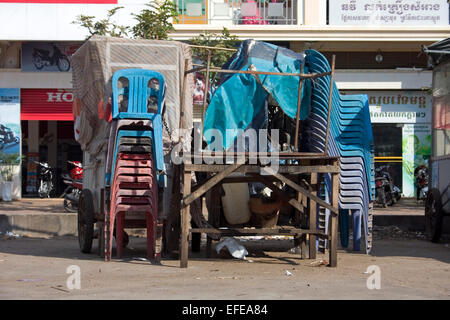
<point x="133" y="199"/>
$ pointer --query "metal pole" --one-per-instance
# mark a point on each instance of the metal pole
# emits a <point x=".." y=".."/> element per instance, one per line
<point x="330" y="97"/>
<point x="208" y="65"/>
<point x="299" y="102"/>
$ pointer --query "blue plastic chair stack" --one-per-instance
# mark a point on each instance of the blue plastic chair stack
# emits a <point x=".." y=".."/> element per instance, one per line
<point x="135" y="155"/>
<point x="351" y="139"/>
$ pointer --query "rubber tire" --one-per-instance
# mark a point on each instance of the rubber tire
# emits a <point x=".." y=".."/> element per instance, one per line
<point x="37" y="61"/>
<point x="86" y="221"/>
<point x="58" y="63"/>
<point x="434" y="216"/>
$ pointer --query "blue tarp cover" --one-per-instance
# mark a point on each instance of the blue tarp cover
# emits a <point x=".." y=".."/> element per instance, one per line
<point x="239" y="100"/>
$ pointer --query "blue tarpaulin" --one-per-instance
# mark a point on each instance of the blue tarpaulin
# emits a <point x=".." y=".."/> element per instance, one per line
<point x="240" y="99"/>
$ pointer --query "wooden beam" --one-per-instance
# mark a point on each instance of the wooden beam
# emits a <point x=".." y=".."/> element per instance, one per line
<point x="299" y="103"/>
<point x="209" y="184"/>
<point x="312" y="217"/>
<point x="263" y="231"/>
<point x="185" y="222"/>
<point x="333" y="235"/>
<point x="248" y="168"/>
<point x="300" y="189"/>
<point x="205" y="96"/>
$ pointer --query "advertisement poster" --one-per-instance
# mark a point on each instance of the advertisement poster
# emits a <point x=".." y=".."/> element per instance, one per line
<point x="47" y="57"/>
<point x="10" y="124"/>
<point x="416" y="150"/>
<point x="199" y="88"/>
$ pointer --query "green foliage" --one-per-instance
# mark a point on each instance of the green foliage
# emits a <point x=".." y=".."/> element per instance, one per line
<point x="218" y="40"/>
<point x="154" y="23"/>
<point x="7" y="164"/>
<point x="102" y="27"/>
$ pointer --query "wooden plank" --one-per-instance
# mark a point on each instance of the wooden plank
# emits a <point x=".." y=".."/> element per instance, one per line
<point x="303" y="75"/>
<point x="209" y="184"/>
<point x="205" y="96"/>
<point x="299" y="102"/>
<point x="300" y="189"/>
<point x="262" y="231"/>
<point x="248" y="168"/>
<point x="260" y="155"/>
<point x="313" y="217"/>
<point x="333" y="236"/>
<point x="185" y="221"/>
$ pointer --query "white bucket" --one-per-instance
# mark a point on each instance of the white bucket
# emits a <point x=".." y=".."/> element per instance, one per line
<point x="235" y="202"/>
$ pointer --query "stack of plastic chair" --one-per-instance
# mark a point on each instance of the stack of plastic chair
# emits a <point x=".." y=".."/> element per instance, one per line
<point x="351" y="139"/>
<point x="134" y="157"/>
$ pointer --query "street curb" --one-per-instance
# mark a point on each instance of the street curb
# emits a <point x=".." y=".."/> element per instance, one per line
<point x="39" y="225"/>
<point x="65" y="224"/>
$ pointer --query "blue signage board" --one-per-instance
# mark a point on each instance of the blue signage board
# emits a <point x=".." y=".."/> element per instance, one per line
<point x="10" y="122"/>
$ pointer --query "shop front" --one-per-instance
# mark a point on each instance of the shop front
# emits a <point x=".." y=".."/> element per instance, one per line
<point x="401" y="123"/>
<point x="47" y="130"/>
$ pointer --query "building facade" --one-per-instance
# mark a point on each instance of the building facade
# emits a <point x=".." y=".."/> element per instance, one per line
<point x="377" y="46"/>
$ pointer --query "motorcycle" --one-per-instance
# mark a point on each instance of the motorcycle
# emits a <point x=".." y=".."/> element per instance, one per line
<point x="421" y="174"/>
<point x="45" y="180"/>
<point x="386" y="192"/>
<point x="74" y="183"/>
<point x="42" y="58"/>
<point x="7" y="137"/>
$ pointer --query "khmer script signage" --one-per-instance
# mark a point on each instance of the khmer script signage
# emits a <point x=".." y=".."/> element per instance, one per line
<point x="389" y="12"/>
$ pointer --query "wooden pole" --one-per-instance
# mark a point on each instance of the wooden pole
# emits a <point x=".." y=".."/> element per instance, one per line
<point x="185" y="221"/>
<point x="330" y="97"/>
<point x="312" y="217"/>
<point x="334" y="220"/>
<point x="183" y="96"/>
<point x="299" y="102"/>
<point x="208" y="65"/>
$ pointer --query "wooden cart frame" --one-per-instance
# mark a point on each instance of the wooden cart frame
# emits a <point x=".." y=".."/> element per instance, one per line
<point x="309" y="164"/>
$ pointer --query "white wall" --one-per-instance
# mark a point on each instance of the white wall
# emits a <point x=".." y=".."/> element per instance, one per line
<point x="14" y="78"/>
<point x="383" y="79"/>
<point x="42" y="21"/>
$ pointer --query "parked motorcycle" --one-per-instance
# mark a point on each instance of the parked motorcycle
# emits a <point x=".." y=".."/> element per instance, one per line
<point x="42" y="58"/>
<point x="45" y="180"/>
<point x="421" y="174"/>
<point x="386" y="192"/>
<point x="74" y="183"/>
<point x="7" y="137"/>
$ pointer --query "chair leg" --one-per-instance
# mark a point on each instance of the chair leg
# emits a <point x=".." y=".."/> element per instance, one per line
<point x="150" y="235"/>
<point x="120" y="224"/>
<point x="110" y="235"/>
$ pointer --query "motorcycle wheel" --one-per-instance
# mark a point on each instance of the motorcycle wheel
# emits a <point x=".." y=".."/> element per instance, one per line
<point x="37" y="61"/>
<point x="63" y="64"/>
<point x="390" y="199"/>
<point x="85" y="221"/>
<point x="69" y="207"/>
<point x="433" y="216"/>
<point x="381" y="197"/>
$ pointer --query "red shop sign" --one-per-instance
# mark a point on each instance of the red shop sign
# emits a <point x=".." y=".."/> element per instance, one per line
<point x="46" y="104"/>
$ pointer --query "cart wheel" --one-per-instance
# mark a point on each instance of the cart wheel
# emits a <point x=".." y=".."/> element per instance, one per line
<point x="433" y="216"/>
<point x="85" y="221"/>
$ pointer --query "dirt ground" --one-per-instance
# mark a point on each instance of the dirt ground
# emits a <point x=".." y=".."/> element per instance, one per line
<point x="411" y="268"/>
